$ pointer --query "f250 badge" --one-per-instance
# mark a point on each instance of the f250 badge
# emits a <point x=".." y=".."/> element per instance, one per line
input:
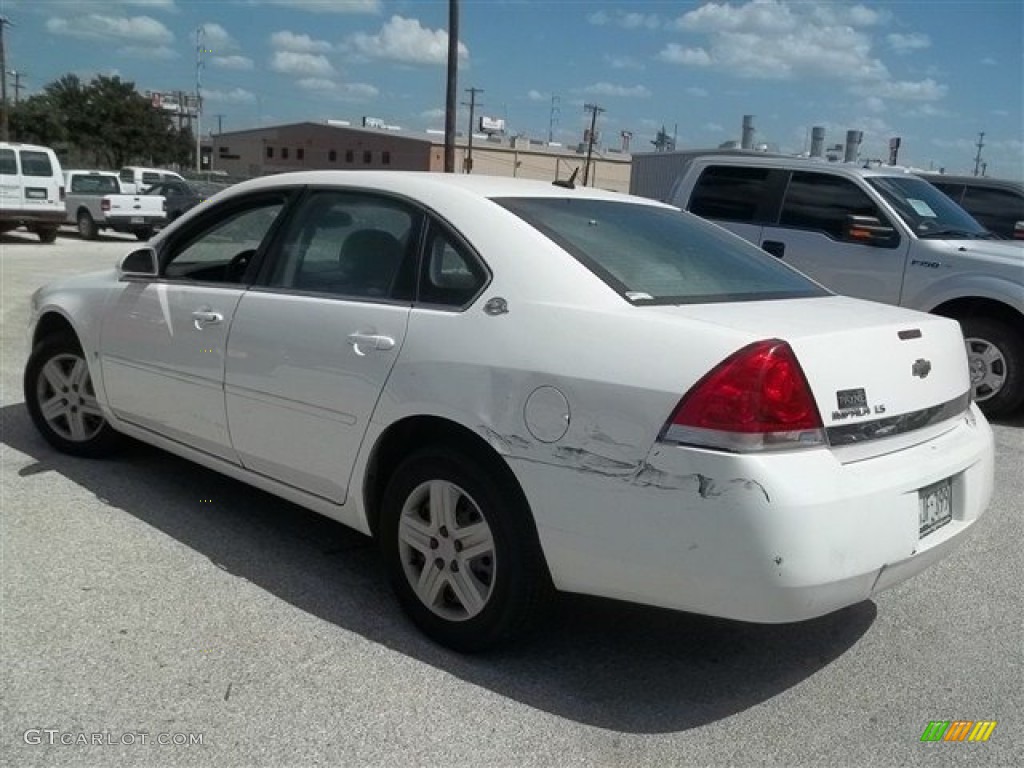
<point x="853" y="403"/>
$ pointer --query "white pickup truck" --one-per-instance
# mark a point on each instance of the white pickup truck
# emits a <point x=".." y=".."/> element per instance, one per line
<point x="94" y="203"/>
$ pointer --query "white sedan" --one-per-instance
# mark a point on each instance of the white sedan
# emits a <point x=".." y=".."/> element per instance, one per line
<point x="518" y="387"/>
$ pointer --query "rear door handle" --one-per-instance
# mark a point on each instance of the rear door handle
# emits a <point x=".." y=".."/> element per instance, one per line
<point x="775" y="247"/>
<point x="363" y="342"/>
<point x="204" y="317"/>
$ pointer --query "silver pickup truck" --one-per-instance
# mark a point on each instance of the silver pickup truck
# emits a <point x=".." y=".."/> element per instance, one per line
<point x="94" y="203"/>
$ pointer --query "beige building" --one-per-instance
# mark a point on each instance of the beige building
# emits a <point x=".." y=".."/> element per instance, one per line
<point x="335" y="146"/>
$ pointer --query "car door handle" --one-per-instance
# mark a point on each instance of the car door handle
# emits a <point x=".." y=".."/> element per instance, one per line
<point x="775" y="248"/>
<point x="204" y="317"/>
<point x="363" y="341"/>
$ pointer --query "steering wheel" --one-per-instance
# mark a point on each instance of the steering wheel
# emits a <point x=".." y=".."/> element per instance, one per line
<point x="235" y="269"/>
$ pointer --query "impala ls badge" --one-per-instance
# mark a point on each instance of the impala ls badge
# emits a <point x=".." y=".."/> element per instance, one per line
<point x="921" y="368"/>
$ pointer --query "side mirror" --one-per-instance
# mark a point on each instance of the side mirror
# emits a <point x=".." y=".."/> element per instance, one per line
<point x="868" y="230"/>
<point x="140" y="263"/>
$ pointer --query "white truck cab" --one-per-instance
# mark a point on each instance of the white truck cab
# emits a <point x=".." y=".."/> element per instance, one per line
<point x="881" y="234"/>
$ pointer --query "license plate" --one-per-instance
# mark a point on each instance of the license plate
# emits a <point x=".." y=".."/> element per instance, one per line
<point x="935" y="506"/>
<point x="35" y="194"/>
<point x="138" y="220"/>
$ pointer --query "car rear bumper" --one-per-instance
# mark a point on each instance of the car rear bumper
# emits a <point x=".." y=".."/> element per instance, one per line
<point x="127" y="225"/>
<point x="768" y="538"/>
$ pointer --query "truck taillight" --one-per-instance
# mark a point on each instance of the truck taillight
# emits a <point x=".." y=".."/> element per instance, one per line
<point x="105" y="205"/>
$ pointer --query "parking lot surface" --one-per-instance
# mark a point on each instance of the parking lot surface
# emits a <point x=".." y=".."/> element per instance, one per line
<point x="146" y="600"/>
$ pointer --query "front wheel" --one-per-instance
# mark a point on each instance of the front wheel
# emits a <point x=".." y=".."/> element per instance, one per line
<point x="996" y="358"/>
<point x="62" y="402"/>
<point x="144" y="234"/>
<point x="461" y="551"/>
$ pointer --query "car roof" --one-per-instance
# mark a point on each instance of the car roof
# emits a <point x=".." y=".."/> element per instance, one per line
<point x="799" y="163"/>
<point x="424" y="183"/>
<point x="19" y="145"/>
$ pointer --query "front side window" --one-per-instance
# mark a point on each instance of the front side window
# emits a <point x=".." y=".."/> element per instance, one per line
<point x="8" y="161"/>
<point x="821" y="202"/>
<point x="226" y="241"/>
<point x="349" y="244"/>
<point x="730" y="193"/>
<point x="35" y="163"/>
<point x="654" y="255"/>
<point x="926" y="210"/>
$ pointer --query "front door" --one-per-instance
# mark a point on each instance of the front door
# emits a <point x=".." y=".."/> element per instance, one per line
<point x="164" y="340"/>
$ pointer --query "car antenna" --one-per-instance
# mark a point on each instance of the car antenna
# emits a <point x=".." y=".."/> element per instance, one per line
<point x="569" y="183"/>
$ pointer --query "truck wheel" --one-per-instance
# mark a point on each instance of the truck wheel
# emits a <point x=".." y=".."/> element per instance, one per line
<point x="144" y="234"/>
<point x="47" y="234"/>
<point x="996" y="358"/>
<point x="86" y="226"/>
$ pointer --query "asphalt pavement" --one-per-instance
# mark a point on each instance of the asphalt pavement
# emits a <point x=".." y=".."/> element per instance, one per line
<point x="154" y="613"/>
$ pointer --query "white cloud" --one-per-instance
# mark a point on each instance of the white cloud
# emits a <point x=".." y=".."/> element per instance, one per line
<point x="915" y="41"/>
<point x="630" y="20"/>
<point x="608" y="89"/>
<point x="433" y="114"/>
<point x="903" y="90"/>
<point x="161" y="52"/>
<point x="299" y="43"/>
<point x="216" y="39"/>
<point x="234" y="96"/>
<point x="238" y="63"/>
<point x="304" y="64"/>
<point x="535" y="95"/>
<point x="874" y="104"/>
<point x="357" y="91"/>
<point x="338" y="91"/>
<point x="94" y="26"/>
<point x="598" y="18"/>
<point x="406" y="41"/>
<point x="673" y="53"/>
<point x="696" y="91"/>
<point x="623" y="62"/>
<point x="713" y="128"/>
<point x="326" y="6"/>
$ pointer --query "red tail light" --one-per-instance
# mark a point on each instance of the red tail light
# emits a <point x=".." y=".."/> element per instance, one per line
<point x="104" y="204"/>
<point x="756" y="399"/>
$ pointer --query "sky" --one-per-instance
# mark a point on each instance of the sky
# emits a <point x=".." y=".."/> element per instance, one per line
<point x="936" y="73"/>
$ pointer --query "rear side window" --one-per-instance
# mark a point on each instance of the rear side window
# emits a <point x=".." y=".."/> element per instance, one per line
<point x="148" y="177"/>
<point x="730" y="193"/>
<point x="954" y="191"/>
<point x="127" y="175"/>
<point x="821" y="202"/>
<point x="452" y="276"/>
<point x="35" y="163"/>
<point x="8" y="161"/>
<point x="653" y="255"/>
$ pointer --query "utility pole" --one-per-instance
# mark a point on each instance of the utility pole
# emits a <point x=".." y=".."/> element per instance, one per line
<point x="553" y="119"/>
<point x="472" y="109"/>
<point x="18" y="87"/>
<point x="199" y="99"/>
<point x="979" y="145"/>
<point x="451" y="88"/>
<point x="4" y="122"/>
<point x="594" y="111"/>
<point x="220" y="123"/>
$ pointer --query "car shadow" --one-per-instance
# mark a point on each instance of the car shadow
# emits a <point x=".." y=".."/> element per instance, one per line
<point x="598" y="662"/>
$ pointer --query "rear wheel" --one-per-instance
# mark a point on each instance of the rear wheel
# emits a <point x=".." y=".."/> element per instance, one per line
<point x="86" y="226"/>
<point x="461" y="551"/>
<point x="996" y="358"/>
<point x="144" y="234"/>
<point x="62" y="401"/>
<point x="47" y="234"/>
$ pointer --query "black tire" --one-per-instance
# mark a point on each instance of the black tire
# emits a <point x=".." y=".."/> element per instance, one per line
<point x="513" y="577"/>
<point x="79" y="428"/>
<point x="47" y="234"/>
<point x="86" y="226"/>
<point x="996" y="357"/>
<point x="144" y="234"/>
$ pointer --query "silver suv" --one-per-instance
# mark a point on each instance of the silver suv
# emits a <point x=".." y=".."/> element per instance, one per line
<point x="880" y="234"/>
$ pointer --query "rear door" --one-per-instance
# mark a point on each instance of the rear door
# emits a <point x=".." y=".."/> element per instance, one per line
<point x="10" y="181"/>
<point x="810" y="235"/>
<point x="312" y="347"/>
<point x="41" y="180"/>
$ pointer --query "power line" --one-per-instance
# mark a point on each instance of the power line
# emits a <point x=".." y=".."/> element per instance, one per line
<point x="977" y="158"/>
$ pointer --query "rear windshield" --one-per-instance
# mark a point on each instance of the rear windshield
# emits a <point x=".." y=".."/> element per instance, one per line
<point x="95" y="185"/>
<point x="35" y="163"/>
<point x="653" y="255"/>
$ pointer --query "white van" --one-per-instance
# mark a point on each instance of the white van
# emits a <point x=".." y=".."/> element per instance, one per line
<point x="31" y="190"/>
<point x="135" y="180"/>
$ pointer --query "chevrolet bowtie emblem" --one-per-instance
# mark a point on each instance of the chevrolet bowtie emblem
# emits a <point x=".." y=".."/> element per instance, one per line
<point x="921" y="368"/>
